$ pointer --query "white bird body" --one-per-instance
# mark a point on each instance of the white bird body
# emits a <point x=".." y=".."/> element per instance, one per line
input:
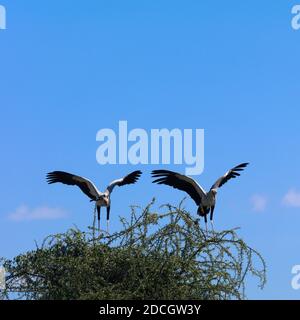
<point x="209" y="200"/>
<point x="103" y="201"/>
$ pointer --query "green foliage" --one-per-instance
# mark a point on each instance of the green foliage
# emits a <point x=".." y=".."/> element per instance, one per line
<point x="155" y="256"/>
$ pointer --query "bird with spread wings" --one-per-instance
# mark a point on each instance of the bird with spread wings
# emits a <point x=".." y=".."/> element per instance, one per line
<point x="205" y="201"/>
<point x="101" y="199"/>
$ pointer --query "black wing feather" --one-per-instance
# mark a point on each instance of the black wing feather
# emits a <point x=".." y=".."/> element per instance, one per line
<point x="85" y="185"/>
<point x="133" y="177"/>
<point x="178" y="181"/>
<point x="231" y="174"/>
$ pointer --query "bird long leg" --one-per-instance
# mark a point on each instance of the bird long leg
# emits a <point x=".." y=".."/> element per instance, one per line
<point x="205" y="219"/>
<point x="211" y="217"/>
<point x="98" y="210"/>
<point x="107" y="218"/>
<point x="94" y="221"/>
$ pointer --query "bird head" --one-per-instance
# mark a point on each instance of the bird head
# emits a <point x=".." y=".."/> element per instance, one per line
<point x="214" y="191"/>
<point x="104" y="198"/>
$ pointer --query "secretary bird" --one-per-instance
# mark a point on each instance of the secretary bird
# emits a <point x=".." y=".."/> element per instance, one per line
<point x="205" y="201"/>
<point x="101" y="199"/>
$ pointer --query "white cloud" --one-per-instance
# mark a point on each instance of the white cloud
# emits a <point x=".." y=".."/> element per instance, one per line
<point x="259" y="203"/>
<point x="23" y="213"/>
<point x="292" y="199"/>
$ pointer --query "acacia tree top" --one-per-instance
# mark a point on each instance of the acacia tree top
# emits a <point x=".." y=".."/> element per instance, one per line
<point x="155" y="256"/>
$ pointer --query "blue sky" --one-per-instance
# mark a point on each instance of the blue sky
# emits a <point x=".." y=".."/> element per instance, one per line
<point x="68" y="69"/>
